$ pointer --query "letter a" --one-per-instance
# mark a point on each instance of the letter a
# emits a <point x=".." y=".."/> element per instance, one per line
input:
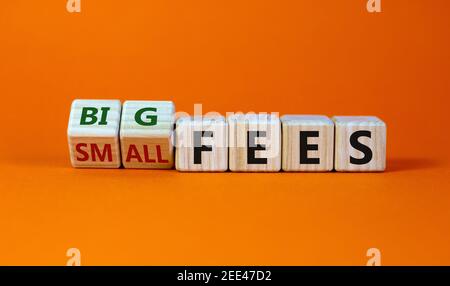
<point x="375" y="257"/>
<point x="73" y="6"/>
<point x="374" y="6"/>
<point x="74" y="255"/>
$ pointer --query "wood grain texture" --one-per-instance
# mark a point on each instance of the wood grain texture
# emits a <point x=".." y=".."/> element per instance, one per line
<point x="215" y="136"/>
<point x="93" y="138"/>
<point x="346" y="126"/>
<point x="147" y="134"/>
<point x="239" y="126"/>
<point x="292" y="125"/>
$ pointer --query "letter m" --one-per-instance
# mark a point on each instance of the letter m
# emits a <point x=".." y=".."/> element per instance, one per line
<point x="106" y="152"/>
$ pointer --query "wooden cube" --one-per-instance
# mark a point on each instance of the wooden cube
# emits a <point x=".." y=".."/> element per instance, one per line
<point x="255" y="143"/>
<point x="147" y="134"/>
<point x="308" y="143"/>
<point x="202" y="144"/>
<point x="93" y="133"/>
<point x="360" y="144"/>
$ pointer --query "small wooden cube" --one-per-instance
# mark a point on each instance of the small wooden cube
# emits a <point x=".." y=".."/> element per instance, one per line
<point x="93" y="133"/>
<point x="308" y="143"/>
<point x="360" y="144"/>
<point x="255" y="143"/>
<point x="202" y="144"/>
<point x="147" y="134"/>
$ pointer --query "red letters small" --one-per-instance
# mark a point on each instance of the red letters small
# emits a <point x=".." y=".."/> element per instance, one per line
<point x="133" y="154"/>
<point x="102" y="155"/>
<point x="85" y="155"/>
<point x="158" y="153"/>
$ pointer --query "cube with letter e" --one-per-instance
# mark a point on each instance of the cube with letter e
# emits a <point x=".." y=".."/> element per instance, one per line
<point x="308" y="143"/>
<point x="255" y="142"/>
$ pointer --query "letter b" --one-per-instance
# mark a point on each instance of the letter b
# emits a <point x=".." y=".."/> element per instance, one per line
<point x="89" y="116"/>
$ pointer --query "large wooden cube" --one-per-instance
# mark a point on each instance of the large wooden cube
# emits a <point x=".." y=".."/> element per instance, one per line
<point x="202" y="144"/>
<point x="308" y="143"/>
<point x="147" y="134"/>
<point x="255" y="143"/>
<point x="360" y="144"/>
<point x="93" y="133"/>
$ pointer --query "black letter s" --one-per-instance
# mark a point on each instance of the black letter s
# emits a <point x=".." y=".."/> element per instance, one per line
<point x="361" y="147"/>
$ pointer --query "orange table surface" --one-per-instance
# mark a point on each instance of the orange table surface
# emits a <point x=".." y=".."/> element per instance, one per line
<point x="292" y="57"/>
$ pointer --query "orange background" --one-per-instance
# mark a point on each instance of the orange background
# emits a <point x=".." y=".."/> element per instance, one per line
<point x="302" y="57"/>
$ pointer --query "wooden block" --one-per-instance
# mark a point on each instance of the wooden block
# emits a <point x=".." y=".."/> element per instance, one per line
<point x="147" y="134"/>
<point x="93" y="133"/>
<point x="255" y="143"/>
<point x="360" y="144"/>
<point x="308" y="142"/>
<point x="202" y="144"/>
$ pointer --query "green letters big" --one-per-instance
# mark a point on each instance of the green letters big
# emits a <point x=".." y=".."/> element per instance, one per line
<point x="89" y="116"/>
<point x="152" y="119"/>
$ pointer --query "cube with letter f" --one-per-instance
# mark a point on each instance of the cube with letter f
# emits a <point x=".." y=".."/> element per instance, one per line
<point x="202" y="144"/>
